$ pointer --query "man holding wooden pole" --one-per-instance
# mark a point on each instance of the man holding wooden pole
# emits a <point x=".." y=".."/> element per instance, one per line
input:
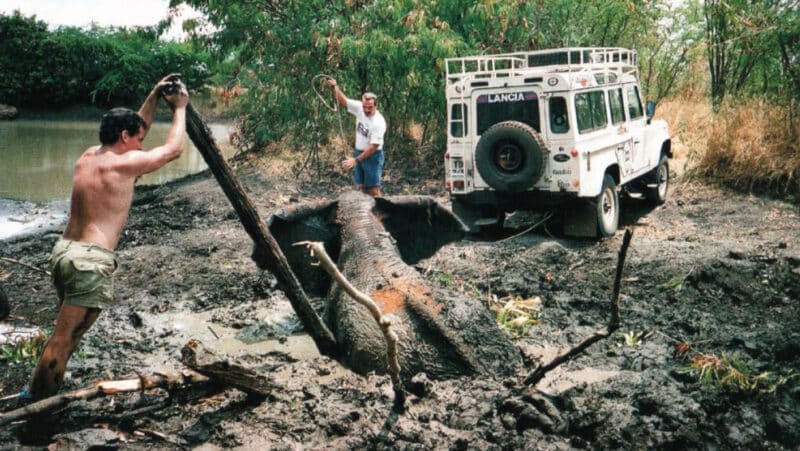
<point x="83" y="260"/>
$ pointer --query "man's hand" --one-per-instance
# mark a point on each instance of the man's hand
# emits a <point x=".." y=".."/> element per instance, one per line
<point x="164" y="82"/>
<point x="331" y="82"/>
<point x="176" y="94"/>
<point x="348" y="163"/>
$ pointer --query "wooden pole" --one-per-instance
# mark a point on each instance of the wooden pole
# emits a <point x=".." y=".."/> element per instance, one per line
<point x="201" y="136"/>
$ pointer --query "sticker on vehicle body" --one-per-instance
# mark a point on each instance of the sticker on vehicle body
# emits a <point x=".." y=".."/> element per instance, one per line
<point x="507" y="97"/>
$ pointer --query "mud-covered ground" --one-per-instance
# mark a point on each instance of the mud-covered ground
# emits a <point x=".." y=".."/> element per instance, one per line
<point x="710" y="274"/>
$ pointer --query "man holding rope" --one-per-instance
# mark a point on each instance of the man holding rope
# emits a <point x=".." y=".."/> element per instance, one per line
<point x="83" y="260"/>
<point x="367" y="159"/>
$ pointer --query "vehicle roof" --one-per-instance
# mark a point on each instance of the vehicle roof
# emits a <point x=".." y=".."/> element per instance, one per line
<point x="557" y="69"/>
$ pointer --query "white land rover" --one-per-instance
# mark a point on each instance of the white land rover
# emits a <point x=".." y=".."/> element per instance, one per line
<point x="541" y="129"/>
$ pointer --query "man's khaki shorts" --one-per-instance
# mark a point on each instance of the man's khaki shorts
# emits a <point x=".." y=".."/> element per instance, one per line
<point x="83" y="273"/>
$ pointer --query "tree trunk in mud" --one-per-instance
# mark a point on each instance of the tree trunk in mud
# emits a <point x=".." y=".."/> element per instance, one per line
<point x="441" y="332"/>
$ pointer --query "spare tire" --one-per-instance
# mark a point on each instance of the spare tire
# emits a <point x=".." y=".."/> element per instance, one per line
<point x="510" y="156"/>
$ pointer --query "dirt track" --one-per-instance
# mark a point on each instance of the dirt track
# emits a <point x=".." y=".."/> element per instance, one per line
<point x="715" y="270"/>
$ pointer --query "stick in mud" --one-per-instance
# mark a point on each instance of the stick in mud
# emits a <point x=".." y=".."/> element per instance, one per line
<point x="393" y="368"/>
<point x="201" y="359"/>
<point x="613" y="324"/>
<point x="158" y="380"/>
<point x="17" y="262"/>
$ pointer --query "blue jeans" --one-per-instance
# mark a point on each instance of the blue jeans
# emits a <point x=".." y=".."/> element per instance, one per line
<point x="368" y="172"/>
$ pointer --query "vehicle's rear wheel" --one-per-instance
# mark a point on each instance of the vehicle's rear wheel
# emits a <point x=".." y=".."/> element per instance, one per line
<point x="510" y="156"/>
<point x="658" y="182"/>
<point x="607" y="208"/>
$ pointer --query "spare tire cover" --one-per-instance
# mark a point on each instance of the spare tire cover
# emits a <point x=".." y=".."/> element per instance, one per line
<point x="510" y="156"/>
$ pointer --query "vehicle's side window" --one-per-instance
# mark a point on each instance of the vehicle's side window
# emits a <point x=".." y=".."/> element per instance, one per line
<point x="617" y="106"/>
<point x="590" y="109"/>
<point x="559" y="122"/>
<point x="458" y="120"/>
<point x="634" y="103"/>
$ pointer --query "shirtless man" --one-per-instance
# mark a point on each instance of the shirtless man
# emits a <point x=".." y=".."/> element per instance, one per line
<point x="83" y="260"/>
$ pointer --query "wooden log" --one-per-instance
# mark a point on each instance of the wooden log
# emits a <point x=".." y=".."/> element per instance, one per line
<point x="202" y="138"/>
<point x="162" y="380"/>
<point x="201" y="359"/>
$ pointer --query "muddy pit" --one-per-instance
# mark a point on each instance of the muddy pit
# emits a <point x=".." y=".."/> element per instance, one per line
<point x="712" y="269"/>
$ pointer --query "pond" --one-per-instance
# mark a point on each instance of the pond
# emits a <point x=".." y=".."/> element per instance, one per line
<point x="38" y="157"/>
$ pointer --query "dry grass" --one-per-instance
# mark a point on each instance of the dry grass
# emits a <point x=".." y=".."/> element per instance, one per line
<point x="752" y="146"/>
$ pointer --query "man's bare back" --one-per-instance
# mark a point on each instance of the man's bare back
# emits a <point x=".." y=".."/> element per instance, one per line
<point x="102" y="185"/>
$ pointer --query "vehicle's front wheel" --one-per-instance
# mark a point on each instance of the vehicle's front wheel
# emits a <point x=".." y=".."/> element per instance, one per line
<point x="658" y="182"/>
<point x="607" y="208"/>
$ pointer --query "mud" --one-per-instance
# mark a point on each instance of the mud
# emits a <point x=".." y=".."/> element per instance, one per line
<point x="710" y="272"/>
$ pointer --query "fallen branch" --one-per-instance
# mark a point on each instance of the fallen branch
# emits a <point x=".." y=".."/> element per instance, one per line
<point x="318" y="250"/>
<point x="201" y="359"/>
<point x="17" y="262"/>
<point x="158" y="380"/>
<point x="613" y="324"/>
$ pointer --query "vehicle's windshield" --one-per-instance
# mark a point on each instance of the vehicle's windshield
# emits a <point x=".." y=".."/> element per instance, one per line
<point x="520" y="106"/>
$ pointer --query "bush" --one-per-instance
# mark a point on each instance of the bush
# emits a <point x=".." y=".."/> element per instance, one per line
<point x="753" y="146"/>
<point x="105" y="66"/>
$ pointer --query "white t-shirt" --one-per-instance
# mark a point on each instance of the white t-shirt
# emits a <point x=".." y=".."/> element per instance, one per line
<point x="369" y="129"/>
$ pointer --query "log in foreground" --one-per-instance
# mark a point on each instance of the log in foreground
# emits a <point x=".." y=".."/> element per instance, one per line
<point x="373" y="241"/>
<point x="158" y="380"/>
<point x="201" y="359"/>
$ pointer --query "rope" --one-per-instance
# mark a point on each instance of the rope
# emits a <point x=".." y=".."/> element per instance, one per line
<point x="335" y="108"/>
<point x="317" y="85"/>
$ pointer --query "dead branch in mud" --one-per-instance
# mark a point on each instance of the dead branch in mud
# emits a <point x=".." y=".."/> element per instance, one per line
<point x="201" y="136"/>
<point x="318" y="250"/>
<point x="17" y="262"/>
<point x="158" y="380"/>
<point x="613" y="324"/>
<point x="201" y="359"/>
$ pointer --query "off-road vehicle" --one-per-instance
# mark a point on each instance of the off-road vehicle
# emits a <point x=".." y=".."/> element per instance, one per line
<point x="559" y="128"/>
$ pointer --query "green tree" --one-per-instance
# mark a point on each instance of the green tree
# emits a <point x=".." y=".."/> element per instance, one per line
<point x="68" y="66"/>
<point x="396" y="48"/>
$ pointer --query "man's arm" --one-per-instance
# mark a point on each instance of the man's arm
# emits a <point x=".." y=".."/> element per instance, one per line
<point x="148" y="109"/>
<point x="137" y="163"/>
<point x="340" y="97"/>
<point x="367" y="152"/>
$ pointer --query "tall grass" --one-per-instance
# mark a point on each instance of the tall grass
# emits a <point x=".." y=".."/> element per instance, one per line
<point x="751" y="146"/>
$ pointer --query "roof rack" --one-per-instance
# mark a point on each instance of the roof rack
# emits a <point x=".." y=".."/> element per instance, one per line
<point x="569" y="60"/>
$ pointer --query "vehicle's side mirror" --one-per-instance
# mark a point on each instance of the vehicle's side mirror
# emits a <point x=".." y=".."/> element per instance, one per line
<point x="650" y="110"/>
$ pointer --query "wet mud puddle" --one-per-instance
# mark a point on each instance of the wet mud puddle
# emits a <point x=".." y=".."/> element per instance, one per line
<point x="181" y="326"/>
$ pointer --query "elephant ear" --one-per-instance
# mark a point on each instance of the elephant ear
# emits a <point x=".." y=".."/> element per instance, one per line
<point x="314" y="221"/>
<point x="418" y="224"/>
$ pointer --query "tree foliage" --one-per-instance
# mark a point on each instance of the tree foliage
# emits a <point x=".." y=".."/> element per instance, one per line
<point x="73" y="66"/>
<point x="753" y="48"/>
<point x="395" y="48"/>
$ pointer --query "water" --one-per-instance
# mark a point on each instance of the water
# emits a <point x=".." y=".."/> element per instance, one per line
<point x="38" y="157"/>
